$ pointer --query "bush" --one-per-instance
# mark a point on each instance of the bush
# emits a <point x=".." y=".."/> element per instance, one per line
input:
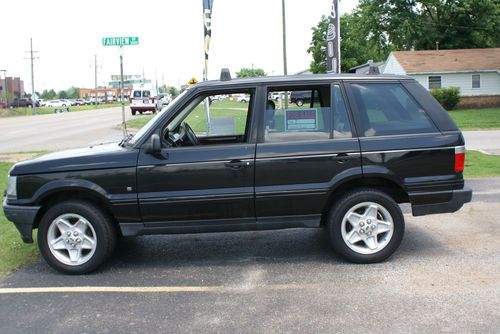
<point x="448" y="97"/>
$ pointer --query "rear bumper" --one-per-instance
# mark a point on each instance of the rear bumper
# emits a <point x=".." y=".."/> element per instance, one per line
<point x="143" y="108"/>
<point x="23" y="218"/>
<point x="457" y="199"/>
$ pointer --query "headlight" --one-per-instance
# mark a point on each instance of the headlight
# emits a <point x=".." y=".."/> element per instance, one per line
<point x="12" y="187"/>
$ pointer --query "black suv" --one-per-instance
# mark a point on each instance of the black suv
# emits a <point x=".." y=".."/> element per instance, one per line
<point x="343" y="162"/>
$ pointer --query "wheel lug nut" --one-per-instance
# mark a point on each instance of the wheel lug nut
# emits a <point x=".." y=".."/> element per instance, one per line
<point x="362" y="230"/>
<point x="369" y="221"/>
<point x="68" y="233"/>
<point x="67" y="241"/>
<point x="362" y="224"/>
<point x="75" y="233"/>
<point x="373" y="227"/>
<point x="369" y="233"/>
<point x="78" y="240"/>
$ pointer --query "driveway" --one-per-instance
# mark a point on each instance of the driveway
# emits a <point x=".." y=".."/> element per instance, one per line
<point x="486" y="141"/>
<point x="444" y="277"/>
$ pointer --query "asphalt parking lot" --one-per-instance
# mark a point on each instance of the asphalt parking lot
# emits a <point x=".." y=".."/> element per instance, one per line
<point x="444" y="277"/>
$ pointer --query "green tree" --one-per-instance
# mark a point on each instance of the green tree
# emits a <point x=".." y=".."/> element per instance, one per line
<point x="62" y="94"/>
<point x="250" y="72"/>
<point x="174" y="91"/>
<point x="48" y="94"/>
<point x="419" y="24"/>
<point x="356" y="47"/>
<point x="378" y="26"/>
<point x="73" y="93"/>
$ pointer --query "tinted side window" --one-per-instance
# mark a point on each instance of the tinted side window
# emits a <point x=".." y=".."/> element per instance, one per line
<point x="388" y="109"/>
<point x="296" y="114"/>
<point x="137" y="93"/>
<point x="146" y="93"/>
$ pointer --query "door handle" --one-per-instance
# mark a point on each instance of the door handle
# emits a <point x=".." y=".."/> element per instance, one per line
<point x="236" y="164"/>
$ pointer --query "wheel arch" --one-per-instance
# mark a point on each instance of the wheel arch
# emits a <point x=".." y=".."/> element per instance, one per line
<point x="65" y="190"/>
<point x="381" y="182"/>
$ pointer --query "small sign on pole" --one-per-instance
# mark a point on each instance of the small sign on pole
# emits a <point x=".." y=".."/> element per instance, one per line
<point x="121" y="42"/>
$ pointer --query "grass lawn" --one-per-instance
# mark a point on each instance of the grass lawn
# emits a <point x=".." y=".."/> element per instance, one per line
<point x="478" y="164"/>
<point x="14" y="253"/>
<point x="44" y="110"/>
<point x="476" y="119"/>
<point x="197" y="119"/>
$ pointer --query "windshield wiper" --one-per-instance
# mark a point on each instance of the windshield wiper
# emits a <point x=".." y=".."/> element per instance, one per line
<point x="126" y="139"/>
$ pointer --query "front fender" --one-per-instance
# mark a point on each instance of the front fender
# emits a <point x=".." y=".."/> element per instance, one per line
<point x="55" y="186"/>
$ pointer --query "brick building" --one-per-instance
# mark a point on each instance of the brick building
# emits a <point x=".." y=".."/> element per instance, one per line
<point x="14" y="87"/>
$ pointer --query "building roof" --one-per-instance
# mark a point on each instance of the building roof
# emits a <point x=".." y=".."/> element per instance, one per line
<point x="458" y="60"/>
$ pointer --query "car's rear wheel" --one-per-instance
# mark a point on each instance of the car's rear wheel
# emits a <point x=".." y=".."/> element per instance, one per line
<point x="366" y="226"/>
<point x="299" y="102"/>
<point x="76" y="237"/>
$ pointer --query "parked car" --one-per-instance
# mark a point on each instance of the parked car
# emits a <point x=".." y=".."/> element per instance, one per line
<point x="243" y="98"/>
<point x="22" y="103"/>
<point x="164" y="99"/>
<point x="80" y="102"/>
<point x="57" y="103"/>
<point x="301" y="97"/>
<point x="345" y="163"/>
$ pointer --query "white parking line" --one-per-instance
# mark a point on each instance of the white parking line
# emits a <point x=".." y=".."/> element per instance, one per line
<point x="154" y="289"/>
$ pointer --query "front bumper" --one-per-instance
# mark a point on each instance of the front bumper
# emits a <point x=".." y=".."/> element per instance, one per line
<point x="23" y="218"/>
<point x="457" y="200"/>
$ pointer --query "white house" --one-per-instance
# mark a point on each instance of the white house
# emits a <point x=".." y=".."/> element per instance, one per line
<point x="475" y="71"/>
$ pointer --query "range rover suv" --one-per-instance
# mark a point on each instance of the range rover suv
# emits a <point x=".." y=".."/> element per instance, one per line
<point x="343" y="162"/>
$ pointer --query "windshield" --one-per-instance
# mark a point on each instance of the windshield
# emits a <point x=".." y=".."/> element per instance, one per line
<point x="152" y="123"/>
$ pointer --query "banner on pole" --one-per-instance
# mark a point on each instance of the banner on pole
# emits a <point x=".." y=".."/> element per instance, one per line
<point x="207" y="24"/>
<point x="333" y="40"/>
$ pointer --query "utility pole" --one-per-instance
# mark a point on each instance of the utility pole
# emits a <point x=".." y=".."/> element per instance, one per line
<point x="95" y="79"/>
<point x="4" y="88"/>
<point x="32" y="58"/>
<point x="283" y="12"/>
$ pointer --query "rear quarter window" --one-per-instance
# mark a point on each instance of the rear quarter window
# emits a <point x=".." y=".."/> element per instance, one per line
<point x="137" y="93"/>
<point x="388" y="109"/>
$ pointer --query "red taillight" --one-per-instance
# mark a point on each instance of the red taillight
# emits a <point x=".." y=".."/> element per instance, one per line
<point x="459" y="158"/>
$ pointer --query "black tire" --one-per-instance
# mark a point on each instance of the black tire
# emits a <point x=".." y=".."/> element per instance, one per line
<point x="105" y="235"/>
<point x="342" y="206"/>
<point x="299" y="102"/>
<point x="133" y="112"/>
<point x="140" y="112"/>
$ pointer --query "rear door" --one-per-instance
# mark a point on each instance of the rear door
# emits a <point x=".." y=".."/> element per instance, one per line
<point x="301" y="153"/>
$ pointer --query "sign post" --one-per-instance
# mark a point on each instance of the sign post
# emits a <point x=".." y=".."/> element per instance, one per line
<point x="333" y="40"/>
<point x="121" y="42"/>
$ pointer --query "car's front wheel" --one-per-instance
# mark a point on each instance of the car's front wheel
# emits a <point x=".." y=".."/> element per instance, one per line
<point x="366" y="226"/>
<point x="76" y="237"/>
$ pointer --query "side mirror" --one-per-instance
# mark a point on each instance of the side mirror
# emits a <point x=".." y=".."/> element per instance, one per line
<point x="154" y="145"/>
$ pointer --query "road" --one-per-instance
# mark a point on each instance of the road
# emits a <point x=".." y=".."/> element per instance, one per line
<point x="59" y="131"/>
<point x="445" y="277"/>
<point x="76" y="129"/>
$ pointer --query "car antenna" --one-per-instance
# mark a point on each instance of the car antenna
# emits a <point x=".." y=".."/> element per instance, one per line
<point x="225" y="75"/>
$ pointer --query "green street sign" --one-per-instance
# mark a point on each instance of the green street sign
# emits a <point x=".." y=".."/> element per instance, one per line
<point x="120" y="41"/>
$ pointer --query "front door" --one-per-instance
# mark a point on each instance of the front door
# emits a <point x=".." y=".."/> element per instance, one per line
<point x="201" y="176"/>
